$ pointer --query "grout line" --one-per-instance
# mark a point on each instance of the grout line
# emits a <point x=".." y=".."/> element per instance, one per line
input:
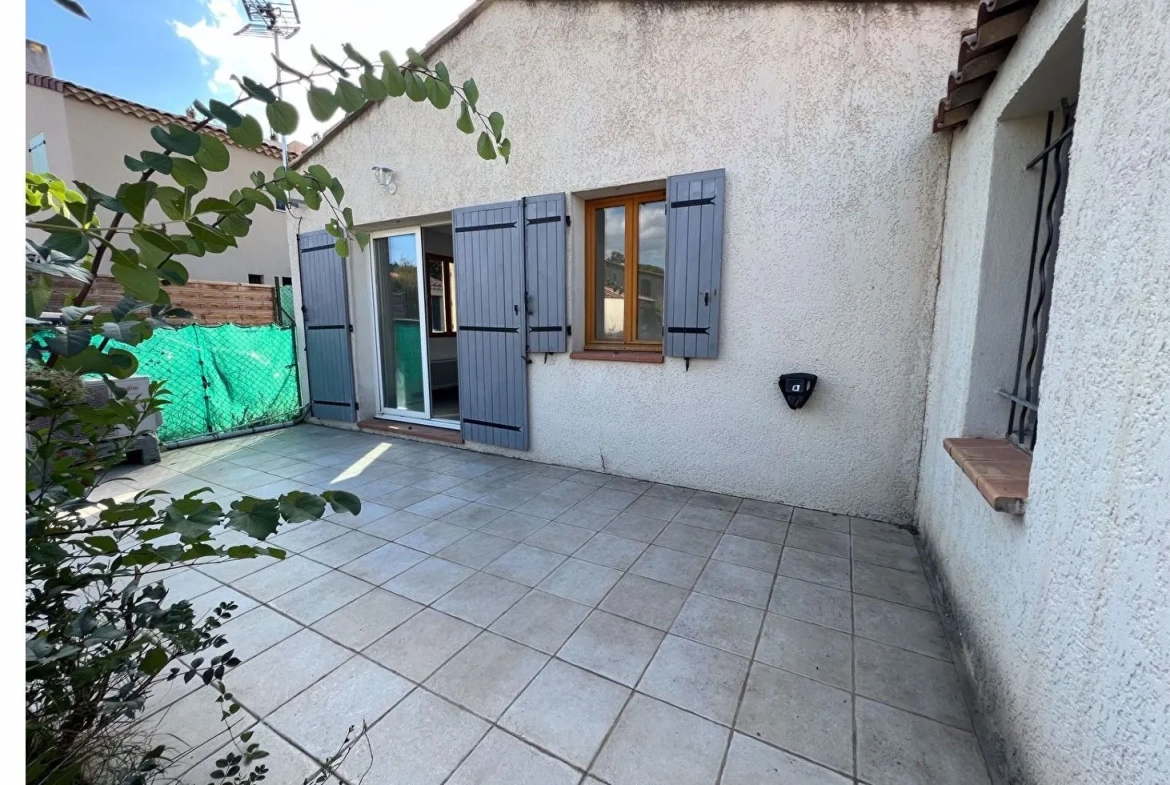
<point x="853" y="657"/>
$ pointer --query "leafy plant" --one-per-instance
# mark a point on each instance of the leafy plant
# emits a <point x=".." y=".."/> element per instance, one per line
<point x="100" y="631"/>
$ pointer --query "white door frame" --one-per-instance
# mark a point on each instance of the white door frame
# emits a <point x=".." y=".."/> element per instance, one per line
<point x="424" y="417"/>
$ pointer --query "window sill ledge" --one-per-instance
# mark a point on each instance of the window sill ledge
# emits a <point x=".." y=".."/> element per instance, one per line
<point x="998" y="468"/>
<point x="619" y="357"/>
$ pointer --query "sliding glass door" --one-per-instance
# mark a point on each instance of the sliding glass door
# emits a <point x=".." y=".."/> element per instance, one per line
<point x="402" y="338"/>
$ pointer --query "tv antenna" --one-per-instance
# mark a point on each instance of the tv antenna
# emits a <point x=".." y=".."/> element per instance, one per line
<point x="275" y="19"/>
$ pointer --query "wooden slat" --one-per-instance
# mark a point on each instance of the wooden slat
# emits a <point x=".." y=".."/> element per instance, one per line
<point x="210" y="302"/>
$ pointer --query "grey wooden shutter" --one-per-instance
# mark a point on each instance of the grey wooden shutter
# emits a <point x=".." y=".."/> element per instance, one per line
<point x="489" y="300"/>
<point x="694" y="258"/>
<point x="325" y="308"/>
<point x="545" y="220"/>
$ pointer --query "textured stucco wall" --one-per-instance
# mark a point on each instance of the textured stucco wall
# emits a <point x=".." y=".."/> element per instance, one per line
<point x="88" y="142"/>
<point x="1065" y="609"/>
<point x="820" y="113"/>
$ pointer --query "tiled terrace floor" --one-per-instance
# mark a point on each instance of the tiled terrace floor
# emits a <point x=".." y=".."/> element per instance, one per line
<point x="498" y="621"/>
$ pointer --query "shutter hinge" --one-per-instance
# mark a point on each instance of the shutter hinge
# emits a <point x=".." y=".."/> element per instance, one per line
<point x="569" y="330"/>
<point x="568" y="220"/>
<point x="351" y="328"/>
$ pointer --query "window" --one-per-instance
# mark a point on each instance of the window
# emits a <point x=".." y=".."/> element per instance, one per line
<point x="39" y="153"/>
<point x="441" y="294"/>
<point x="253" y="278"/>
<point x="625" y="260"/>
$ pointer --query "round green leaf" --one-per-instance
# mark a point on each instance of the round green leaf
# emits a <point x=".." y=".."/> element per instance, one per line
<point x="342" y="248"/>
<point x="439" y="93"/>
<point x="415" y="89"/>
<point x="176" y="139"/>
<point x="257" y="90"/>
<point x="139" y="283"/>
<point x="349" y="97"/>
<point x="248" y="133"/>
<point x="496" y="121"/>
<point x="372" y="86"/>
<point x="213" y="154"/>
<point x="188" y="173"/>
<point x="393" y="79"/>
<point x="224" y="113"/>
<point x="464" y="122"/>
<point x="471" y="91"/>
<point x="485" y="146"/>
<point x="282" y="116"/>
<point x="322" y="104"/>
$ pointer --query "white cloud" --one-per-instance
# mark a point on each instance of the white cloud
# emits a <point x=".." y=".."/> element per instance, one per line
<point x="370" y="25"/>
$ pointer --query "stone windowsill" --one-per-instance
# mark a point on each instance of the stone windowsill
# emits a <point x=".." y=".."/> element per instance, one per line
<point x="998" y="468"/>
<point x="619" y="356"/>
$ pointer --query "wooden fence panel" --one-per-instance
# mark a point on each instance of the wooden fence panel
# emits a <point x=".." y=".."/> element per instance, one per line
<point x="210" y="302"/>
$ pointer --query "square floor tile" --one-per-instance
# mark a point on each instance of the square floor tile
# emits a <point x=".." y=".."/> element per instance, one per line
<point x="560" y="538"/>
<point x="481" y="599"/>
<point x="673" y="567"/>
<point x="367" y="618"/>
<point x="886" y="583"/>
<point x="895" y="747"/>
<point x="815" y="567"/>
<point x="506" y="498"/>
<point x="401" y="498"/>
<point x="611" y="646"/>
<point x="720" y="623"/>
<point x="307" y="536"/>
<point x="645" y="601"/>
<point x="816" y="720"/>
<point x="345" y="548"/>
<point x="283" y="576"/>
<point x="880" y="531"/>
<point x="487" y="674"/>
<point x="655" y="507"/>
<point x="746" y="552"/>
<point x="610" y="498"/>
<point x="750" y="762"/>
<point x="417" y="647"/>
<point x="629" y="484"/>
<point x="757" y="528"/>
<point x="429" y="580"/>
<point x="672" y="492"/>
<point x="910" y="681"/>
<point x="436" y="506"/>
<point x="656" y="744"/>
<point x="887" y="554"/>
<point x="761" y="509"/>
<point x="525" y="564"/>
<point x="820" y="518"/>
<point x="813" y="602"/>
<point x="900" y="625"/>
<point x="473" y="515"/>
<point x="420" y="742"/>
<point x="433" y="537"/>
<point x="284" y="763"/>
<point x="719" y="501"/>
<point x="567" y="711"/>
<point x="397" y="524"/>
<point x="370" y="512"/>
<point x="635" y="527"/>
<point x="570" y="491"/>
<point x="587" y="516"/>
<point x="357" y="692"/>
<point x="251" y="633"/>
<point x="733" y="582"/>
<point x="536" y="483"/>
<point x="277" y="674"/>
<point x="611" y="550"/>
<point x="542" y="621"/>
<point x="474" y="489"/>
<point x="438" y="482"/>
<point x="695" y="677"/>
<point x="502" y="759"/>
<point x="590" y="478"/>
<point x="544" y="506"/>
<point x="689" y="539"/>
<point x="477" y="550"/>
<point x="703" y="517"/>
<point x="514" y="526"/>
<point x="382" y="564"/>
<point x="580" y="581"/>
<point x="320" y="597"/>
<point x="810" y="538"/>
<point x="207" y="602"/>
<point x="808" y="649"/>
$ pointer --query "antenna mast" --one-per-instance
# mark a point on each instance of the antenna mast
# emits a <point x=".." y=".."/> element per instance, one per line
<point x="275" y="19"/>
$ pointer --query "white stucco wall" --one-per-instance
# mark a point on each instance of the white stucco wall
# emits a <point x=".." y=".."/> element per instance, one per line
<point x="820" y="113"/>
<point x="1065" y="609"/>
<point x="88" y="142"/>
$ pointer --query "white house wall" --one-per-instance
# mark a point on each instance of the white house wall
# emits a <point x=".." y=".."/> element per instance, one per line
<point x="1064" y="609"/>
<point x="820" y="114"/>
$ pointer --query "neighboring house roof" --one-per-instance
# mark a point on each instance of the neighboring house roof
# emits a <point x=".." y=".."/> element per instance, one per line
<point x="982" y="50"/>
<point x="113" y="102"/>
<point x="428" y="51"/>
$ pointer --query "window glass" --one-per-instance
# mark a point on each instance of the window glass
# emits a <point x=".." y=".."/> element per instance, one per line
<point x="651" y="269"/>
<point x="610" y="267"/>
<point x="437" y="293"/>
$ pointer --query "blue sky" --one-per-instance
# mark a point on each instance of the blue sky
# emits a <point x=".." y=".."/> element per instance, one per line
<point x="166" y="53"/>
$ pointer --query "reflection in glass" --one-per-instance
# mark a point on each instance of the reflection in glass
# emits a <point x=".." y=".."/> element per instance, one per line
<point x="438" y="294"/>
<point x="399" y="327"/>
<point x="610" y="269"/>
<point x="651" y="269"/>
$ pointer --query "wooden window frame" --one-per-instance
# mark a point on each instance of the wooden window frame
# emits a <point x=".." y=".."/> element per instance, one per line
<point x="447" y="263"/>
<point x="630" y="328"/>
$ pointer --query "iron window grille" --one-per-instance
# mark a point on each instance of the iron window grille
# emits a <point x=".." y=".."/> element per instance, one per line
<point x="1024" y="397"/>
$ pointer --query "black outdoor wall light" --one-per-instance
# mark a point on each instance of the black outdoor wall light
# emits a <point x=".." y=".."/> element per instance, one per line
<point x="797" y="388"/>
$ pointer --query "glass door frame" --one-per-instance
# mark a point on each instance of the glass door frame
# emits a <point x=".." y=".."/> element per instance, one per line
<point x="424" y="417"/>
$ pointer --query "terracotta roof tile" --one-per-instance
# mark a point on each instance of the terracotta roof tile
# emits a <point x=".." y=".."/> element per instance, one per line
<point x="134" y="109"/>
